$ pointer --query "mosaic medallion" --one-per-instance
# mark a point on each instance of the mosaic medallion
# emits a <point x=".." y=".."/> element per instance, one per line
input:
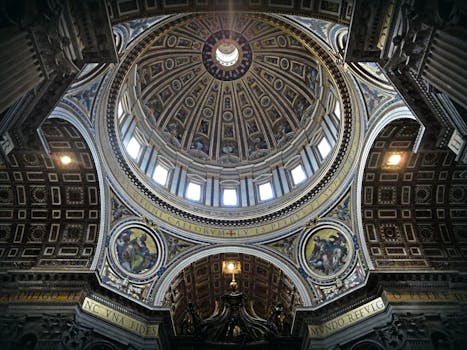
<point x="136" y="251"/>
<point x="327" y="252"/>
<point x="227" y="55"/>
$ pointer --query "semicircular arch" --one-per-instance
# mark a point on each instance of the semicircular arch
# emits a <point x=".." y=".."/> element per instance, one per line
<point x="290" y="272"/>
<point x="395" y="113"/>
<point x="62" y="113"/>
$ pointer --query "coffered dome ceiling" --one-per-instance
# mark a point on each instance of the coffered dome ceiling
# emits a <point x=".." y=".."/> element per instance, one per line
<point x="228" y="103"/>
<point x="226" y="113"/>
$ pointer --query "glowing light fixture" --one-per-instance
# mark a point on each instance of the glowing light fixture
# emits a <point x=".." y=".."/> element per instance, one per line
<point x="65" y="160"/>
<point x="394" y="159"/>
<point x="232" y="267"/>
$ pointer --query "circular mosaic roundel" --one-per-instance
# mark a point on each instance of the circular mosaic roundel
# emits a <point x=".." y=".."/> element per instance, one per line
<point x="227" y="55"/>
<point x="136" y="251"/>
<point x="327" y="252"/>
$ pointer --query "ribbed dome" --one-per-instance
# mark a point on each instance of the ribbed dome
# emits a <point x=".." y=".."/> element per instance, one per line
<point x="233" y="112"/>
<point x="228" y="120"/>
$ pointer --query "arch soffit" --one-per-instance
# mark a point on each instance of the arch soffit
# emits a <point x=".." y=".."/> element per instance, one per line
<point x="396" y="112"/>
<point x="60" y="112"/>
<point x="172" y="272"/>
<point x="341" y="14"/>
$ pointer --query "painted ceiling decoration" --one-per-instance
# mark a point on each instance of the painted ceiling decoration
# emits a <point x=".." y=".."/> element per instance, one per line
<point x="232" y="103"/>
<point x="255" y="127"/>
<point x="160" y="244"/>
<point x="249" y="110"/>
<point x="158" y="247"/>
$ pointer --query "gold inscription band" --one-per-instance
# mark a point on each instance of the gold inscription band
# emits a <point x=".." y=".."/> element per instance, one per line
<point x="39" y="297"/>
<point x="349" y="318"/>
<point x="426" y="297"/>
<point x="117" y="318"/>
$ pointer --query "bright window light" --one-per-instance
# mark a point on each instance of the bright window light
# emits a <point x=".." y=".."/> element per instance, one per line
<point x="227" y="54"/>
<point x="160" y="175"/>
<point x="230" y="197"/>
<point x="265" y="191"/>
<point x="120" y="110"/>
<point x="337" y="110"/>
<point x="324" y="147"/>
<point x="133" y="148"/>
<point x="298" y="175"/>
<point x="193" y="191"/>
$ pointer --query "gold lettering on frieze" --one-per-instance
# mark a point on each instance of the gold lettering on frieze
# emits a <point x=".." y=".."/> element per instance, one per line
<point x="40" y="297"/>
<point x="426" y="296"/>
<point x="349" y="318"/>
<point x="117" y="318"/>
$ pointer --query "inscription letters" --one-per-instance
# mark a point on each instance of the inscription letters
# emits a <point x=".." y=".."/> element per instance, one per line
<point x="347" y="319"/>
<point x="120" y="319"/>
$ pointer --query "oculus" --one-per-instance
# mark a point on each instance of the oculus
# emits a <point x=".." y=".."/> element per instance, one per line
<point x="227" y="55"/>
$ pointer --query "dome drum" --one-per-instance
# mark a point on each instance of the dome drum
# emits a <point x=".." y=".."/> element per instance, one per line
<point x="256" y="131"/>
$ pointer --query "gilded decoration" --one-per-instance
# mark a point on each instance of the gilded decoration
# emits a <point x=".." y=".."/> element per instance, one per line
<point x="347" y="319"/>
<point x="124" y="320"/>
<point x="286" y="246"/>
<point x="342" y="211"/>
<point x="119" y="210"/>
<point x="328" y="253"/>
<point x="275" y="218"/>
<point x="135" y="251"/>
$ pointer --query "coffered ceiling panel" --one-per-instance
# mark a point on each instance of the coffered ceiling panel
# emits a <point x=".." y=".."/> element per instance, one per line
<point x="203" y="284"/>
<point x="415" y="212"/>
<point x="49" y="203"/>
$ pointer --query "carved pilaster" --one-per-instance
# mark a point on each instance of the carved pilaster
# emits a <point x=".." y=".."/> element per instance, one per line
<point x="43" y="48"/>
<point x="420" y="46"/>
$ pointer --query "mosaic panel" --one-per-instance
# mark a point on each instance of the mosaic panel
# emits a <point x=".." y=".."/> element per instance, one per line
<point x="136" y="251"/>
<point x="326" y="252"/>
